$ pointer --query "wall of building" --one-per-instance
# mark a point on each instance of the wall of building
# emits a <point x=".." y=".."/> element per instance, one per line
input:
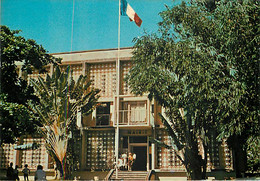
<point x="138" y="117"/>
<point x="20" y="157"/>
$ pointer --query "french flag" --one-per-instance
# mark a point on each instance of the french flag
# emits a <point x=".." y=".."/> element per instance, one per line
<point x="126" y="9"/>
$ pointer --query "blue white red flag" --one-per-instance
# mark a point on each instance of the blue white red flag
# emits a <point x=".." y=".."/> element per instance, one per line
<point x="126" y="9"/>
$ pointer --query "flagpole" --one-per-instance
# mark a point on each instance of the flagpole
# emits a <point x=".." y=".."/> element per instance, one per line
<point x="117" y="91"/>
<point x="72" y="24"/>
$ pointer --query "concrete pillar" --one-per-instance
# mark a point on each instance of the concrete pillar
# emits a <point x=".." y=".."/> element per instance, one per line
<point x="153" y="156"/>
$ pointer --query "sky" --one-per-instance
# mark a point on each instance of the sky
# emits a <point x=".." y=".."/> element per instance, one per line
<point x="95" y="23"/>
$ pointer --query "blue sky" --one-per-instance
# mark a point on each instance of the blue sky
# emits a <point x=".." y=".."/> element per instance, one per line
<point x="49" y="22"/>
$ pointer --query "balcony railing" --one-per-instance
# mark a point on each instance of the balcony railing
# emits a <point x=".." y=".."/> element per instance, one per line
<point x="103" y="120"/>
<point x="133" y="117"/>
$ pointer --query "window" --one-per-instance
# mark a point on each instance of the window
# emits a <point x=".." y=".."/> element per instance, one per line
<point x="103" y="114"/>
<point x="133" y="112"/>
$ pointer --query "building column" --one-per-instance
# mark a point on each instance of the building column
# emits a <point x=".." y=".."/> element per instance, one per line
<point x="153" y="156"/>
<point x="147" y="154"/>
<point x="84" y="151"/>
<point x="83" y="68"/>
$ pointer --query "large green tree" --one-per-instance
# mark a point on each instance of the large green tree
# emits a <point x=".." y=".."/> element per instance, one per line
<point x="237" y="37"/>
<point x="60" y="100"/>
<point x="16" y="120"/>
<point x="202" y="66"/>
<point x="14" y="90"/>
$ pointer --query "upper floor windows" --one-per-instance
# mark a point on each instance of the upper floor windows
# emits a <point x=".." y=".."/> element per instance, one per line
<point x="133" y="113"/>
<point x="104" y="78"/>
<point x="103" y="114"/>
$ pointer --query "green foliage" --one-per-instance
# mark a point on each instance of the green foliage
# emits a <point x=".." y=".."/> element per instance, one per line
<point x="60" y="99"/>
<point x="203" y="67"/>
<point x="180" y="76"/>
<point x="238" y="36"/>
<point x="253" y="154"/>
<point x="14" y="90"/>
<point x="15" y="119"/>
<point x="16" y="48"/>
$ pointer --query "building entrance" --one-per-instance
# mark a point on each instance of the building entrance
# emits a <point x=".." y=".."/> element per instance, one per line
<point x="136" y="145"/>
<point x="141" y="158"/>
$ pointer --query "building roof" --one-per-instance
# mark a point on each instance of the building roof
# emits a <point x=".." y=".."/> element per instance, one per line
<point x="94" y="56"/>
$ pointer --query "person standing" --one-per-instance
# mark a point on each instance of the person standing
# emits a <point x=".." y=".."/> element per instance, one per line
<point x="16" y="173"/>
<point x="130" y="161"/>
<point x="10" y="172"/>
<point x="26" y="172"/>
<point x="124" y="156"/>
<point x="120" y="163"/>
<point x="134" y="158"/>
<point x="40" y="174"/>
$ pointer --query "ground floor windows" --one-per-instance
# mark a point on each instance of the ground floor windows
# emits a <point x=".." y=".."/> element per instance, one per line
<point x="166" y="158"/>
<point x="219" y="155"/>
<point x="20" y="157"/>
<point x="7" y="155"/>
<point x="100" y="150"/>
<point x="36" y="157"/>
<point x="96" y="151"/>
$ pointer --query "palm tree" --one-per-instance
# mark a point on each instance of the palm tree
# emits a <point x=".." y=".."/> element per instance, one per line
<point x="60" y="99"/>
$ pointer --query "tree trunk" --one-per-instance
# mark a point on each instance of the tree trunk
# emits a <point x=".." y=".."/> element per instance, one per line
<point x="193" y="169"/>
<point x="59" y="168"/>
<point x="240" y="158"/>
<point x="193" y="162"/>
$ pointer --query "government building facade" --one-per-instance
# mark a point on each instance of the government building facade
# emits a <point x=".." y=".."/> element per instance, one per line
<point x="137" y="124"/>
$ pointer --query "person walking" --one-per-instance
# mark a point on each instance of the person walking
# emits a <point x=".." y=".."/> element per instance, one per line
<point x="40" y="174"/>
<point x="10" y="172"/>
<point x="16" y="173"/>
<point x="26" y="172"/>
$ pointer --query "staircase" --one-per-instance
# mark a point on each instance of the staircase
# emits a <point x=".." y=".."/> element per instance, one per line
<point x="129" y="175"/>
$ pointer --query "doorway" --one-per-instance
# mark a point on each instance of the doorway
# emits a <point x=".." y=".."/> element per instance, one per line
<point x="141" y="158"/>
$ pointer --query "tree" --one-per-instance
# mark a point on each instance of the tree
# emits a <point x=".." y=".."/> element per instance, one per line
<point x="16" y="120"/>
<point x="60" y="99"/>
<point x="15" y="91"/>
<point x="195" y="68"/>
<point x="238" y="38"/>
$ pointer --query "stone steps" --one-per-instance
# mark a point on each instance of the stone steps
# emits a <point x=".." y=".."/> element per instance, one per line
<point x="129" y="175"/>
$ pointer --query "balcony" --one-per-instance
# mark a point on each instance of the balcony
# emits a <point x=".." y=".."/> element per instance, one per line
<point x="133" y="117"/>
<point x="103" y="120"/>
